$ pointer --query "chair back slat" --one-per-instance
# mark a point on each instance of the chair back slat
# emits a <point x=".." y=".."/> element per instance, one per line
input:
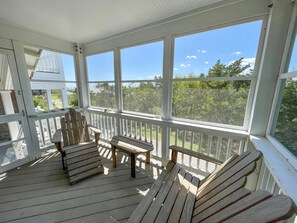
<point x="63" y="129"/>
<point x="74" y="128"/>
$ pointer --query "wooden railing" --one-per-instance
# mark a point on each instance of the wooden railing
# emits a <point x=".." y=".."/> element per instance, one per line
<point x="214" y="142"/>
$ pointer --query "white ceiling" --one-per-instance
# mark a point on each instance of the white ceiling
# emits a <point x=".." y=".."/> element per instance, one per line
<point x="85" y="21"/>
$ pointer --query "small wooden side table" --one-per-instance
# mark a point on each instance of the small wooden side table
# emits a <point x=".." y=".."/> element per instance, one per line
<point x="131" y="146"/>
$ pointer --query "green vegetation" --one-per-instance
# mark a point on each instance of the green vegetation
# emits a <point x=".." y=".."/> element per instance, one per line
<point x="210" y="101"/>
<point x="286" y="129"/>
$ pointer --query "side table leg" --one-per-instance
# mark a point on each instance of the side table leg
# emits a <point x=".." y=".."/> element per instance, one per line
<point x="148" y="157"/>
<point x="133" y="165"/>
<point x="114" y="159"/>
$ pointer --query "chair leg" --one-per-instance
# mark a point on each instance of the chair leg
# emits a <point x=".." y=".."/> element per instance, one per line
<point x="63" y="163"/>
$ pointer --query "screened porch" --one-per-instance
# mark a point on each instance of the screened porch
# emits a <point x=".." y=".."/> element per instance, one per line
<point x="215" y="77"/>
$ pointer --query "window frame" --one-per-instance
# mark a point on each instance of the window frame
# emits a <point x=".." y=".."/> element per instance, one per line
<point x="76" y="82"/>
<point x="254" y="77"/>
<point x="98" y="82"/>
<point x="148" y="115"/>
<point x="283" y="76"/>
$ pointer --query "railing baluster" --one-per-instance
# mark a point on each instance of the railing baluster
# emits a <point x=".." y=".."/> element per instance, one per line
<point x="183" y="145"/>
<point x="240" y="149"/>
<point x="219" y="148"/>
<point x="135" y="129"/>
<point x="191" y="146"/>
<point x="229" y="148"/>
<point x="41" y="132"/>
<point x="176" y="136"/>
<point x="140" y="130"/>
<point x="145" y="132"/>
<point x="151" y="133"/>
<point x="49" y="130"/>
<point x="101" y="124"/>
<point x="200" y="148"/>
<point x="157" y="141"/>
<point x="209" y="141"/>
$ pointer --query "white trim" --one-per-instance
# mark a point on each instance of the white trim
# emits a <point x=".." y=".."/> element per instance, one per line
<point x="283" y="173"/>
<point x="10" y="118"/>
<point x="142" y="81"/>
<point x="252" y="91"/>
<point x="98" y="82"/>
<point x="277" y="29"/>
<point x="212" y="130"/>
<point x="284" y="65"/>
<point x="288" y="75"/>
<point x="35" y="39"/>
<point x="235" y="78"/>
<point x="283" y="150"/>
<point x="52" y="81"/>
<point x="11" y="141"/>
<point x="205" y="123"/>
<point x="118" y="79"/>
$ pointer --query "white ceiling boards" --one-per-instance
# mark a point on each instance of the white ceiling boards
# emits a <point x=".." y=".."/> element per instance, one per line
<point x="85" y="21"/>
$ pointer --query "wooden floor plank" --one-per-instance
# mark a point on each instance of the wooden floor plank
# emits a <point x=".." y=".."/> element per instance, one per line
<point x="40" y="191"/>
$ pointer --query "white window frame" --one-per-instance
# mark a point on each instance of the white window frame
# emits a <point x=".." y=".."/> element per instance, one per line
<point x="98" y="82"/>
<point x="142" y="80"/>
<point x="65" y="107"/>
<point x="283" y="76"/>
<point x="252" y="78"/>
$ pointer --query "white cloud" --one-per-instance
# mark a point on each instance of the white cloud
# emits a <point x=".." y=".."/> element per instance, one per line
<point x="189" y="65"/>
<point x="246" y="61"/>
<point x="202" y="51"/>
<point x="175" y="68"/>
<point x="206" y="62"/>
<point x="191" y="57"/>
<point x="249" y="61"/>
<point x="237" y="53"/>
<point x="182" y="65"/>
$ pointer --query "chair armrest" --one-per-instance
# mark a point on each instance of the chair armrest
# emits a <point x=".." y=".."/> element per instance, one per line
<point x="175" y="149"/>
<point x="94" y="129"/>
<point x="57" y="136"/>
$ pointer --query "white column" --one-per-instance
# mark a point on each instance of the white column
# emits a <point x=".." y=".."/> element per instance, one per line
<point x="166" y="94"/>
<point x="274" y="44"/>
<point x="81" y="77"/>
<point x="118" y="80"/>
<point x="118" y="86"/>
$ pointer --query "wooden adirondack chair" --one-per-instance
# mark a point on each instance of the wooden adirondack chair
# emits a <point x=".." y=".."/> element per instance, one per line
<point x="178" y="196"/>
<point x="79" y="151"/>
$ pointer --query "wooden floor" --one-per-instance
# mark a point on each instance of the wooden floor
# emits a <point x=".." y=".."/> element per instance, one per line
<point x="40" y="191"/>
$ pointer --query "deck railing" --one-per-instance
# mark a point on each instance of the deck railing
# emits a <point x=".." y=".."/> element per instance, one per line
<point x="216" y="143"/>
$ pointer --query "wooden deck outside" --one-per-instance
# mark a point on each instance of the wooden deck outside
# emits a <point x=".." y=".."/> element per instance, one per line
<point x="40" y="191"/>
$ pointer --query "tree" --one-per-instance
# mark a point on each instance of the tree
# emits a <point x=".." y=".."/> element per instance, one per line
<point x="286" y="129"/>
<point x="217" y="101"/>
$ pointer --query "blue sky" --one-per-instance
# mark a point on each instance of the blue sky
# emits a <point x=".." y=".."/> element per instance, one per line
<point x="293" y="61"/>
<point x="194" y="53"/>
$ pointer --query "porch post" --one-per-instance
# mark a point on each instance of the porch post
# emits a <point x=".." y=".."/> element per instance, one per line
<point x="81" y="80"/>
<point x="277" y="29"/>
<point x="118" y="87"/>
<point x="166" y="96"/>
<point x="81" y="76"/>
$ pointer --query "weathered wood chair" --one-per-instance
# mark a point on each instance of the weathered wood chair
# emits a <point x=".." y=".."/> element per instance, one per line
<point x="78" y="150"/>
<point x="178" y="196"/>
